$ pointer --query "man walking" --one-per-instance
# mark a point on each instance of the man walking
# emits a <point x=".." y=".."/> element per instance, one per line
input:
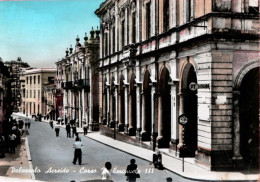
<point x="77" y="153"/>
<point x="85" y="128"/>
<point x="74" y="130"/>
<point x="68" y="130"/>
<point x="57" y="130"/>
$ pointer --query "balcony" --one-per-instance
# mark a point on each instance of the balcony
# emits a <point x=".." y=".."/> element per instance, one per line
<point x="67" y="85"/>
<point x="83" y="83"/>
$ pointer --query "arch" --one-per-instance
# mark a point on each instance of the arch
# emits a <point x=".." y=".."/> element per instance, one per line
<point x="183" y="72"/>
<point x="132" y="105"/>
<point x="164" y="122"/>
<point x="244" y="71"/>
<point x="249" y="116"/>
<point x="189" y="106"/>
<point x="146" y="108"/>
<point x="121" y="103"/>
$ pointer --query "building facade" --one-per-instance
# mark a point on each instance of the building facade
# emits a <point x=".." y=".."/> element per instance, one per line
<point x="77" y="77"/>
<point x="15" y="69"/>
<point x="162" y="59"/>
<point x="37" y="83"/>
<point x="6" y="101"/>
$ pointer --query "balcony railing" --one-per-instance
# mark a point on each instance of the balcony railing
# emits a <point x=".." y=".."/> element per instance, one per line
<point x="83" y="83"/>
<point x="67" y="85"/>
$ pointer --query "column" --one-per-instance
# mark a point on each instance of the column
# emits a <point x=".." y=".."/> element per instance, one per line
<point x="130" y="114"/>
<point x="181" y="111"/>
<point x="174" y="114"/>
<point x="83" y="105"/>
<point x="108" y="107"/>
<point x="90" y="109"/>
<point x="160" y="118"/>
<point x="138" y="112"/>
<point x="236" y="139"/>
<point x="116" y="107"/>
<point x="144" y="132"/>
<point x="111" y="105"/>
<point x="104" y="120"/>
<point x="120" y="124"/>
<point x="126" y="110"/>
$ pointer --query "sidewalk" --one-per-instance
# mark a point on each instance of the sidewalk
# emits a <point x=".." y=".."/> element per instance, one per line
<point x="10" y="165"/>
<point x="173" y="164"/>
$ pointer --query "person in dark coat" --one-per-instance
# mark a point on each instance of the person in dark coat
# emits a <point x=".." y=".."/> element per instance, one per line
<point x="68" y="130"/>
<point x="157" y="160"/>
<point x="57" y="130"/>
<point x="51" y="124"/>
<point x="132" y="171"/>
<point x="74" y="130"/>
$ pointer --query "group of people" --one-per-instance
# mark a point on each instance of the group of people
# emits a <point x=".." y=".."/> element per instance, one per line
<point x="11" y="136"/>
<point x="131" y="171"/>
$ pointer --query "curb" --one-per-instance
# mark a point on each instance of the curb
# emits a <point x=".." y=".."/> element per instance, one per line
<point x="29" y="158"/>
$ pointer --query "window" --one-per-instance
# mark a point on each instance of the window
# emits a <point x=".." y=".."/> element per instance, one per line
<point x="106" y="44"/>
<point x="123" y="32"/>
<point x="34" y="94"/>
<point x="30" y="80"/>
<point x="27" y="94"/>
<point x="253" y="6"/>
<point x="39" y="79"/>
<point x="51" y="80"/>
<point x="114" y="39"/>
<point x="34" y="80"/>
<point x="148" y="20"/>
<point x="166" y="15"/>
<point x="30" y="94"/>
<point x="133" y="27"/>
<point x="39" y="96"/>
<point x="27" y="80"/>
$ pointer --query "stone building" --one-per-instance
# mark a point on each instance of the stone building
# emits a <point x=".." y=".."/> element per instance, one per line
<point x="161" y="59"/>
<point x="37" y="83"/>
<point x="6" y="101"/>
<point x="77" y="76"/>
<point x="15" y="69"/>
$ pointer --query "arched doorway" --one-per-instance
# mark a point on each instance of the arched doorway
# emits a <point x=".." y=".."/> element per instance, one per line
<point x="164" y="131"/>
<point x="104" y="102"/>
<point x="132" y="107"/>
<point x="112" y="103"/>
<point x="146" y="125"/>
<point x="190" y="108"/>
<point x="122" y="105"/>
<point x="249" y="118"/>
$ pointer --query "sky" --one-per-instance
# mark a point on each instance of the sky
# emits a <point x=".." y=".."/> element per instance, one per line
<point x="40" y="31"/>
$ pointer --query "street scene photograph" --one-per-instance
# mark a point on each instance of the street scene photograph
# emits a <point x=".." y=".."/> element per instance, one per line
<point x="129" y="90"/>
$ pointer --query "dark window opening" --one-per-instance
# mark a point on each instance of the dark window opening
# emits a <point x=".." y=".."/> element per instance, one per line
<point x="166" y="15"/>
<point x="148" y="21"/>
<point x="123" y="32"/>
<point x="133" y="28"/>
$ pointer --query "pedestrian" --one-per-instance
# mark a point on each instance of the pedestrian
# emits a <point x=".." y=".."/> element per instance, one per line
<point x="12" y="138"/>
<point x="157" y="160"/>
<point x="132" y="171"/>
<point x="29" y="123"/>
<point x="51" y="124"/>
<point x="77" y="153"/>
<point x="85" y="129"/>
<point x="105" y="173"/>
<point x="74" y="130"/>
<point x="20" y="124"/>
<point x="68" y="130"/>
<point x="25" y="124"/>
<point x="2" y="146"/>
<point x="57" y="130"/>
<point x="77" y="136"/>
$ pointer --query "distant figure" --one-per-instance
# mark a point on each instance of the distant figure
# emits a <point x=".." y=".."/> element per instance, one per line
<point x="51" y="124"/>
<point x="57" y="130"/>
<point x="74" y="130"/>
<point x="132" y="171"/>
<point x="105" y="173"/>
<point x="29" y="123"/>
<point x="77" y="153"/>
<point x="77" y="136"/>
<point x="68" y="130"/>
<point x="157" y="160"/>
<point x="85" y="128"/>
<point x="12" y="138"/>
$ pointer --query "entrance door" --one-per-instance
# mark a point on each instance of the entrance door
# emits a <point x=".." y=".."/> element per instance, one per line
<point x="249" y="118"/>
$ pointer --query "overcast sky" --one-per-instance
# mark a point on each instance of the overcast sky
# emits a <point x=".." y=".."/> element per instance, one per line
<point x="40" y="31"/>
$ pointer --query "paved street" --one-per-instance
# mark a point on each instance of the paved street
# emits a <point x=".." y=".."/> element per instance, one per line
<point x="51" y="152"/>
